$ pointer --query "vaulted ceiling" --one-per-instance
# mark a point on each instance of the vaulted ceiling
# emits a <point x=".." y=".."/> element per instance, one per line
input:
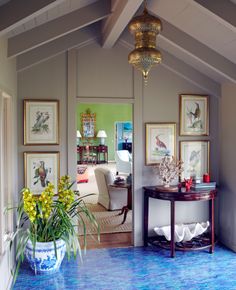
<point x="198" y="35"/>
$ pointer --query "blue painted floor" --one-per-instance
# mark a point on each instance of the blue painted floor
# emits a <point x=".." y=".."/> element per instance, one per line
<point x="138" y="268"/>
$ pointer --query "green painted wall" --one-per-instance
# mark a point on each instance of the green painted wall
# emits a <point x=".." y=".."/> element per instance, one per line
<point x="106" y="117"/>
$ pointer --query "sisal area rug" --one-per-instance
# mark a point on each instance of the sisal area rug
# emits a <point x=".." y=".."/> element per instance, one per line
<point x="109" y="221"/>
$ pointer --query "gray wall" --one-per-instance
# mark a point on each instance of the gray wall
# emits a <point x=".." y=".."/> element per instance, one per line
<point x="227" y="193"/>
<point x="8" y="83"/>
<point x="47" y="80"/>
<point x="106" y="74"/>
<point x="156" y="102"/>
<point x="161" y="104"/>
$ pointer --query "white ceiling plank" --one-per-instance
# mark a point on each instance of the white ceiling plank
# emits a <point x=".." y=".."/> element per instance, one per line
<point x="182" y="69"/>
<point x="77" y="38"/>
<point x="223" y="11"/>
<point x="116" y="23"/>
<point x="201" y="23"/>
<point x="14" y="13"/>
<point x="58" y="27"/>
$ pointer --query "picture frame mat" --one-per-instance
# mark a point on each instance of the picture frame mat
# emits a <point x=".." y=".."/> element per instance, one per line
<point x="41" y="122"/>
<point x="156" y="134"/>
<point x="50" y="161"/>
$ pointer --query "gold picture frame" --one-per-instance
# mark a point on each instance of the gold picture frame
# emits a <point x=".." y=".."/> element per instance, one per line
<point x="40" y="168"/>
<point x="41" y="122"/>
<point x="194" y="115"/>
<point x="160" y="141"/>
<point x="196" y="158"/>
<point x="88" y="124"/>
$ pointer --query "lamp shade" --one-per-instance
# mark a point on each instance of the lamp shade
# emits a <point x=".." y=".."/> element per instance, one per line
<point x="101" y="134"/>
<point x="78" y="134"/>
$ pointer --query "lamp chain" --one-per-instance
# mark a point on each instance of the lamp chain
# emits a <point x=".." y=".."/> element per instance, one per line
<point x="145" y="4"/>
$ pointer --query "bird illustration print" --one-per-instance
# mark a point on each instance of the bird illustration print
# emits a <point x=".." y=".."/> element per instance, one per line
<point x="40" y="174"/>
<point x="41" y="121"/>
<point x="197" y="113"/>
<point x="160" y="144"/>
<point x="194" y="161"/>
<point x="194" y="116"/>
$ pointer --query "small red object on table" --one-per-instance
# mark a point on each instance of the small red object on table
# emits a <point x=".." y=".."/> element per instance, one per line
<point x="188" y="183"/>
<point x="206" y="177"/>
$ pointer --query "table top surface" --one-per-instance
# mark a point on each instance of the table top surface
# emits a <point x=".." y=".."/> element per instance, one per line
<point x="121" y="184"/>
<point x="181" y="194"/>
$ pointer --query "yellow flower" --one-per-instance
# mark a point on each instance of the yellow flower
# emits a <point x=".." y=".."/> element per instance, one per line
<point x="66" y="195"/>
<point x="29" y="204"/>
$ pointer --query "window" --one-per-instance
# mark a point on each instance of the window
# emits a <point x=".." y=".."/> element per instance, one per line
<point x="6" y="168"/>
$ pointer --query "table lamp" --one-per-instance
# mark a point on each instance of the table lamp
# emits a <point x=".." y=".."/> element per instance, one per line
<point x="102" y="135"/>
<point x="78" y="136"/>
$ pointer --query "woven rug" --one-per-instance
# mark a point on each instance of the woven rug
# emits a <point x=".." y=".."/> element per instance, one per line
<point x="109" y="221"/>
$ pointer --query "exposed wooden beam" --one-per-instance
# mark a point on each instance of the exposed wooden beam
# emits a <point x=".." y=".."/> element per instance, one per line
<point x="16" y="12"/>
<point x="198" y="51"/>
<point x="116" y="23"/>
<point x="182" y="69"/>
<point x="77" y="38"/>
<point x="58" y="27"/>
<point x="223" y="11"/>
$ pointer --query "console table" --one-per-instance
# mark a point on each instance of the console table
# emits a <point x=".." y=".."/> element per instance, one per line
<point x="173" y="196"/>
<point x="96" y="149"/>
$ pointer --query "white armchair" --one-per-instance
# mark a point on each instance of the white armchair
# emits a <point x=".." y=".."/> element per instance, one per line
<point x="111" y="198"/>
<point x="123" y="161"/>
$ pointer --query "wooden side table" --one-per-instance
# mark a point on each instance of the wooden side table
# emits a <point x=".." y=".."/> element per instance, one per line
<point x="102" y="149"/>
<point x="173" y="196"/>
<point x="127" y="207"/>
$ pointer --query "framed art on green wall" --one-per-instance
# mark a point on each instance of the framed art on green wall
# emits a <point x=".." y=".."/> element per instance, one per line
<point x="88" y="124"/>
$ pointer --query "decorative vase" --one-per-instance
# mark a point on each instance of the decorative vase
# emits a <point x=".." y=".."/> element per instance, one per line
<point x="44" y="260"/>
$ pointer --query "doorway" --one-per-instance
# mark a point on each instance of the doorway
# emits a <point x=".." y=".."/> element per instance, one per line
<point x="6" y="168"/>
<point x="106" y="124"/>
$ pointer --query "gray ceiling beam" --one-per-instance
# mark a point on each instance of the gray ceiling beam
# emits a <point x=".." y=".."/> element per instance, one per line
<point x="77" y="38"/>
<point x="124" y="10"/>
<point x="200" y="52"/>
<point x="58" y="27"/>
<point x="14" y="13"/>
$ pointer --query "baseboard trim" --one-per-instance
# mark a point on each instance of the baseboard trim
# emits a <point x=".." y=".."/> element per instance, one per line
<point x="227" y="244"/>
<point x="10" y="283"/>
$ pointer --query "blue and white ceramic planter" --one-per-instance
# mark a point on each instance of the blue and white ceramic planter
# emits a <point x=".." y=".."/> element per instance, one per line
<point x="45" y="260"/>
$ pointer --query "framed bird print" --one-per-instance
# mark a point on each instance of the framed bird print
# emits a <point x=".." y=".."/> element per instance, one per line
<point x="41" y="168"/>
<point x="194" y="115"/>
<point x="160" y="141"/>
<point x="195" y="155"/>
<point x="41" y="122"/>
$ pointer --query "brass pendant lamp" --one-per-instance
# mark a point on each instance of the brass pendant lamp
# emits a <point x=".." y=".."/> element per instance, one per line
<point x="145" y="28"/>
